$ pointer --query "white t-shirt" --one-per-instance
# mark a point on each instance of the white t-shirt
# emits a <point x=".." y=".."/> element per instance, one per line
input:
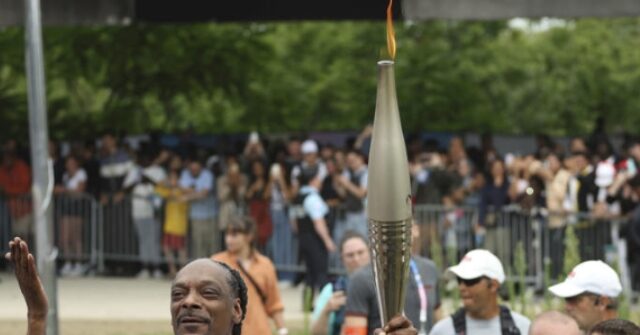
<point x="71" y="183"/>
<point x="481" y="327"/>
<point x="142" y="194"/>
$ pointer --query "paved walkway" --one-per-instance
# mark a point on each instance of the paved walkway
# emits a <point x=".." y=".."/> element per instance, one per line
<point x="101" y="298"/>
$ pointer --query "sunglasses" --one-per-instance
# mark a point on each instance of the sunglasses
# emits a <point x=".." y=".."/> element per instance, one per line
<point x="576" y="299"/>
<point x="470" y="282"/>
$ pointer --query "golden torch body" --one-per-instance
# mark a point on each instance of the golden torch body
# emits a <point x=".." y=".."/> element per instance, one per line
<point x="389" y="199"/>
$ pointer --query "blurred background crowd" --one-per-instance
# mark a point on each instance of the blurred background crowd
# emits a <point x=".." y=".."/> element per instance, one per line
<point x="172" y="197"/>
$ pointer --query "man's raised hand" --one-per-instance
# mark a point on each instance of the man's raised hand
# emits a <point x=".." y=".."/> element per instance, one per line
<point x="28" y="279"/>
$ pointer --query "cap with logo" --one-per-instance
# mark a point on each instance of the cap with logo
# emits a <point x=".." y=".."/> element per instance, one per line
<point x="478" y="263"/>
<point x="591" y="276"/>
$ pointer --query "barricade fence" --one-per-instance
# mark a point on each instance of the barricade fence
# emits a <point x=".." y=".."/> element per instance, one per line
<point x="533" y="243"/>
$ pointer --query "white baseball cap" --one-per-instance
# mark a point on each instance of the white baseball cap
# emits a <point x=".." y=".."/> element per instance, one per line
<point x="605" y="174"/>
<point x="309" y="147"/>
<point x="478" y="263"/>
<point x="591" y="276"/>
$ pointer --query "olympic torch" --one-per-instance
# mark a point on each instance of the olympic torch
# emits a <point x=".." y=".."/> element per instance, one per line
<point x="389" y="199"/>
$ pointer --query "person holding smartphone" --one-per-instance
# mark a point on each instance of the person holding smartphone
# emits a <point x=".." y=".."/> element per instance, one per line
<point x="328" y="314"/>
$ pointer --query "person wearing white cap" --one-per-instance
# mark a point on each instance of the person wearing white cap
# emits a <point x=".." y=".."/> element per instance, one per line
<point x="310" y="161"/>
<point x="479" y="276"/>
<point x="590" y="293"/>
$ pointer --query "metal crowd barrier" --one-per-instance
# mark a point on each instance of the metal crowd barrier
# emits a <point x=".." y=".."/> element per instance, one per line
<point x="75" y="218"/>
<point x="107" y="234"/>
<point x="16" y="218"/>
<point x="538" y="236"/>
<point x="76" y="228"/>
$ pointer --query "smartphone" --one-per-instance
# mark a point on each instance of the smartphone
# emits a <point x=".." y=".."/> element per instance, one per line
<point x="340" y="285"/>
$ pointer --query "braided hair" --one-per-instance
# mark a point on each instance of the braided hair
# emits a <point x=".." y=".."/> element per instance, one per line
<point x="239" y="289"/>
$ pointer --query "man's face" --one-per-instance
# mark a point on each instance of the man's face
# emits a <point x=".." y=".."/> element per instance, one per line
<point x="477" y="293"/>
<point x="577" y="144"/>
<point x="310" y="158"/>
<point x="581" y="163"/>
<point x="554" y="163"/>
<point x="326" y="153"/>
<point x="109" y="142"/>
<point x="195" y="168"/>
<point x="354" y="161"/>
<point x="202" y="302"/>
<point x="293" y="148"/>
<point x="355" y="254"/>
<point x="586" y="309"/>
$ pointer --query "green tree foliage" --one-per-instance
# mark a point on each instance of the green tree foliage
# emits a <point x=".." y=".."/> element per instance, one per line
<point x="215" y="78"/>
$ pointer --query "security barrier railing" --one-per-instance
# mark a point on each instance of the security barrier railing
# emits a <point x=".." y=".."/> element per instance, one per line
<point x="446" y="234"/>
<point x="96" y="234"/>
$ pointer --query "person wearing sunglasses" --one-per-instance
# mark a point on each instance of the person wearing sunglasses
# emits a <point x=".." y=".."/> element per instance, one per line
<point x="590" y="291"/>
<point x="480" y="274"/>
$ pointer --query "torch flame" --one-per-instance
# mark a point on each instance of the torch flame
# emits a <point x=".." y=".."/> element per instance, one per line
<point x="391" y="35"/>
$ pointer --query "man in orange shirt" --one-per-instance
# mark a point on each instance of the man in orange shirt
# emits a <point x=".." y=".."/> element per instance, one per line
<point x="258" y="273"/>
<point x="15" y="185"/>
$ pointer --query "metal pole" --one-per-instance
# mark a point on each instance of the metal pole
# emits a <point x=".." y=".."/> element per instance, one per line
<point x="41" y="166"/>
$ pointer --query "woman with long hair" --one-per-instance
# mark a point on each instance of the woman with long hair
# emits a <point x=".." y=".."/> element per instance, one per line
<point x="70" y="204"/>
<point x="258" y="272"/>
<point x="257" y="196"/>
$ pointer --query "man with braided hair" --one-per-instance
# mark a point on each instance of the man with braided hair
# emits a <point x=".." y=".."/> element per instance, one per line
<point x="208" y="298"/>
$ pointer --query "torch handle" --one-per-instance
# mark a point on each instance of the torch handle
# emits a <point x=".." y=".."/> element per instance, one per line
<point x="391" y="251"/>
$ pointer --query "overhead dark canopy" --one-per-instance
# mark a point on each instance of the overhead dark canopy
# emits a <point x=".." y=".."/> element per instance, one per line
<point x="71" y="12"/>
<point x="261" y="10"/>
<point x="82" y="12"/>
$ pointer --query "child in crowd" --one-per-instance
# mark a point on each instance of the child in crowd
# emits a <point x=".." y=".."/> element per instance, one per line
<point x="175" y="222"/>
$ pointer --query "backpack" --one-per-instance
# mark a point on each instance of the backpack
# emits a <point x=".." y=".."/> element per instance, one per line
<point x="507" y="324"/>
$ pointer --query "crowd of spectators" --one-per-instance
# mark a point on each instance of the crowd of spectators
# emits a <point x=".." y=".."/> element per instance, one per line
<point x="179" y="198"/>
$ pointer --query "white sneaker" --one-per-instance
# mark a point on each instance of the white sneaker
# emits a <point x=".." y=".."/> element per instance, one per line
<point x="78" y="270"/>
<point x="66" y="269"/>
<point x="144" y="274"/>
<point x="157" y="274"/>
